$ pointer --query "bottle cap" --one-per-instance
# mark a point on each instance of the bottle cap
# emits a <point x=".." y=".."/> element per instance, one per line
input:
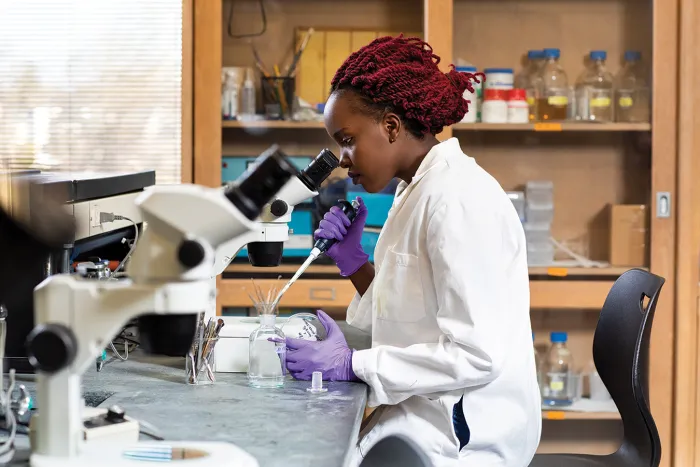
<point x="535" y="54"/>
<point x="632" y="55"/>
<point x="552" y="53"/>
<point x="517" y="95"/>
<point x="498" y="70"/>
<point x="558" y="337"/>
<point x="598" y="55"/>
<point x="466" y="69"/>
<point x="495" y="94"/>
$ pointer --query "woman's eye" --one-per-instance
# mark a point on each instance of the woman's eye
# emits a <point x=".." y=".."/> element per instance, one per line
<point x="347" y="141"/>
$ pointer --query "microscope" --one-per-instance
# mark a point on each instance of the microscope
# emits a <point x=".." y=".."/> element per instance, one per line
<point x="169" y="274"/>
<point x="265" y="243"/>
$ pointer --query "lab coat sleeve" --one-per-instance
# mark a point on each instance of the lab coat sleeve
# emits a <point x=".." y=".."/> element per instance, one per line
<point x="359" y="314"/>
<point x="465" y="246"/>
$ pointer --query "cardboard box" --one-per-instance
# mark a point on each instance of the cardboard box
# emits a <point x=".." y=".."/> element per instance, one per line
<point x="628" y="235"/>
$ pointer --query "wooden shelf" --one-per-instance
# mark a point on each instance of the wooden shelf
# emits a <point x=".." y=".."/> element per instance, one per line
<point x="569" y="415"/>
<point x="539" y="127"/>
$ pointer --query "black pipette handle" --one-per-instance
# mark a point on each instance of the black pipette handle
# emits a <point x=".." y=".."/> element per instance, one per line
<point x="350" y="210"/>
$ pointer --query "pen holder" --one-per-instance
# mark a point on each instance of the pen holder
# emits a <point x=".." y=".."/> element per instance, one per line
<point x="279" y="97"/>
<point x="199" y="362"/>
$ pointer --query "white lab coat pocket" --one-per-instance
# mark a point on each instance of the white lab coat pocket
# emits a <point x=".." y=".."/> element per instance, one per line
<point x="400" y="292"/>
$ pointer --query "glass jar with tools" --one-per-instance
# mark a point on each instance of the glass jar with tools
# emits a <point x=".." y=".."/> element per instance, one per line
<point x="199" y="362"/>
<point x="267" y="355"/>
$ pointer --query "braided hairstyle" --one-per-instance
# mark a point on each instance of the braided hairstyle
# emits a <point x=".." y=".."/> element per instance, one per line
<point x="401" y="75"/>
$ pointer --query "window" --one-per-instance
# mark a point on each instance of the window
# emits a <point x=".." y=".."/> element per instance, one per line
<point x="91" y="85"/>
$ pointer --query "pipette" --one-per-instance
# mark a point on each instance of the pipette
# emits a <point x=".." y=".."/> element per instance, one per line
<point x="321" y="246"/>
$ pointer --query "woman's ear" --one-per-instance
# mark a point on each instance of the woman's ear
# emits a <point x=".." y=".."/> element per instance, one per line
<point x="392" y="126"/>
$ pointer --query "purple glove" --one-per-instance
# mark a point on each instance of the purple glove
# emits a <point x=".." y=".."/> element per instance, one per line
<point x="331" y="356"/>
<point x="346" y="252"/>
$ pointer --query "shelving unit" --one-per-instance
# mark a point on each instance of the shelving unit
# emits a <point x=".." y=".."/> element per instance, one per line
<point x="591" y="165"/>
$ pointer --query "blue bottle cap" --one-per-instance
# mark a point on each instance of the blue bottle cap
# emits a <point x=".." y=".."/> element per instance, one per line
<point x="466" y="69"/>
<point x="598" y="55"/>
<point x="535" y="54"/>
<point x="558" y="337"/>
<point x="533" y="336"/>
<point x="552" y="53"/>
<point x="632" y="55"/>
<point x="498" y="70"/>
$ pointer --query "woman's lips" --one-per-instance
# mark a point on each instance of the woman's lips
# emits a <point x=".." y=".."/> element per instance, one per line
<point x="355" y="178"/>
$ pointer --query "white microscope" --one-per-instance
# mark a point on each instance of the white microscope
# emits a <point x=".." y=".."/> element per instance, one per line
<point x="169" y="274"/>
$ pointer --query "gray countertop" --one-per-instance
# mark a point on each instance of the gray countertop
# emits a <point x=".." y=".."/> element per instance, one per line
<point x="280" y="427"/>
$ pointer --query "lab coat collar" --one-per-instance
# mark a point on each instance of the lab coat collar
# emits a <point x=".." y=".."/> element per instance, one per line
<point x="435" y="156"/>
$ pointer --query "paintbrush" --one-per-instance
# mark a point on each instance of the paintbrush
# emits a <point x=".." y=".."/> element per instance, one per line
<point x="295" y="61"/>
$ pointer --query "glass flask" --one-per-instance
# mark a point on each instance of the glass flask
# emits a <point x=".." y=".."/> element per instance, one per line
<point x="267" y="355"/>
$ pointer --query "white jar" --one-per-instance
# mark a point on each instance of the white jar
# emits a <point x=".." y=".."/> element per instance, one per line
<point x="494" y="109"/>
<point x="518" y="108"/>
<point x="498" y="78"/>
<point x="472" y="97"/>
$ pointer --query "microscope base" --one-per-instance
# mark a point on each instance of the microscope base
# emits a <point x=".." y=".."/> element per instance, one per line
<point x="197" y="454"/>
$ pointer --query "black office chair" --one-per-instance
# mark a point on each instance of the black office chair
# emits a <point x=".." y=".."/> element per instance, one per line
<point x="396" y="451"/>
<point x="621" y="356"/>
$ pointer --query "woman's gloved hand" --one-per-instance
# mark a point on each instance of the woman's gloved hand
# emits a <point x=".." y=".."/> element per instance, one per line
<point x="347" y="252"/>
<point x="331" y="356"/>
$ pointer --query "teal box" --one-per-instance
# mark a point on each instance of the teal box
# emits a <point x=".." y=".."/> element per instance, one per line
<point x="378" y="206"/>
<point x="233" y="167"/>
<point x="369" y="242"/>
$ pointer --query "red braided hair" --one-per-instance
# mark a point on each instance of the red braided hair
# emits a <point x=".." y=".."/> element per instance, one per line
<point x="401" y="75"/>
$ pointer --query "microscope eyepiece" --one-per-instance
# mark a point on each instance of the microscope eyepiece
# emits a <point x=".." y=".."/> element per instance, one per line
<point x="260" y="183"/>
<point x="319" y="169"/>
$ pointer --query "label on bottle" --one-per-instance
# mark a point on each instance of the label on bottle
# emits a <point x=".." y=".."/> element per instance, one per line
<point x="530" y="101"/>
<point x="556" y="385"/>
<point x="626" y="101"/>
<point x="599" y="102"/>
<point x="558" y="101"/>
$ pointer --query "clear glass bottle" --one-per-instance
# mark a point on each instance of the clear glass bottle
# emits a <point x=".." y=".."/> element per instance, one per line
<point x="594" y="90"/>
<point x="248" y="97"/>
<point x="632" y="94"/>
<point x="556" y="390"/>
<point x="553" y="100"/>
<point x="267" y="357"/>
<point x="530" y="79"/>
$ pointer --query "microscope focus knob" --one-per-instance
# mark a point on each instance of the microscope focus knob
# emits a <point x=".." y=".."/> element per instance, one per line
<point x="51" y="347"/>
<point x="279" y="208"/>
<point x="190" y="254"/>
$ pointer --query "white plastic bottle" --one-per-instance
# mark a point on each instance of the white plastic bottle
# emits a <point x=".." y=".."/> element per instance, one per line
<point x="557" y="380"/>
<point x="267" y="357"/>
<point x="248" y="97"/>
<point x="472" y="97"/>
<point x="229" y="96"/>
<point x="594" y="90"/>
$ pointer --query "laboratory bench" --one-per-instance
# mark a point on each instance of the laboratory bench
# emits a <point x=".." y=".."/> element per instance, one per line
<point x="283" y="427"/>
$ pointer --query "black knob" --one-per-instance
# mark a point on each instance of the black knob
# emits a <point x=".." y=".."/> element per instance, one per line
<point x="115" y="414"/>
<point x="51" y="347"/>
<point x="190" y="254"/>
<point x="279" y="208"/>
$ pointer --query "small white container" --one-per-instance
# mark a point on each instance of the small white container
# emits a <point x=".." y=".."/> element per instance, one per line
<point x="494" y="109"/>
<point x="539" y="214"/>
<point x="518" y="108"/>
<point x="537" y="234"/>
<point x="472" y="97"/>
<point x="540" y="255"/>
<point x="499" y="78"/>
<point x="539" y="192"/>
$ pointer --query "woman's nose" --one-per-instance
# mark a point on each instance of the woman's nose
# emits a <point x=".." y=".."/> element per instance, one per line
<point x="345" y="161"/>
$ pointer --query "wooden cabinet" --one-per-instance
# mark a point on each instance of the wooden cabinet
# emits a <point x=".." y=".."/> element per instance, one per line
<point x="591" y="165"/>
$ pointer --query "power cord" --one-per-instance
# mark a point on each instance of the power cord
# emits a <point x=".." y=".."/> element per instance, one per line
<point x="111" y="217"/>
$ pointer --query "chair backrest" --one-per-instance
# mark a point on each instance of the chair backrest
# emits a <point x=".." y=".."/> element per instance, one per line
<point x="396" y="451"/>
<point x="621" y="356"/>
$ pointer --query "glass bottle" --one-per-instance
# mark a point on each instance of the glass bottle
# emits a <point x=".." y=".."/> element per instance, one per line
<point x="530" y="79"/>
<point x="248" y="97"/>
<point x="267" y="355"/>
<point x="632" y="94"/>
<point x="557" y="373"/>
<point x="553" y="100"/>
<point x="594" y="90"/>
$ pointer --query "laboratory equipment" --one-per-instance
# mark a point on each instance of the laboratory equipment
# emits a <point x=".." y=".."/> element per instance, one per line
<point x="498" y="78"/>
<point x="558" y="388"/>
<point x="539" y="213"/>
<point x="265" y="243"/>
<point x="321" y="246"/>
<point x="552" y="102"/>
<point x="169" y="274"/>
<point x="472" y="97"/>
<point x="304" y="326"/>
<point x="632" y="93"/>
<point x="230" y="92"/>
<point x="248" y="97"/>
<point x="199" y="361"/>
<point x="530" y="79"/>
<point x="267" y="354"/>
<point x="594" y="90"/>
<point x="494" y="109"/>
<point x="317" y="383"/>
<point x="518" y="109"/>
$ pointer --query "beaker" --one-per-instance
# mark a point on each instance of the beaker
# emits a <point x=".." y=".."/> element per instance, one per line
<point x="267" y="357"/>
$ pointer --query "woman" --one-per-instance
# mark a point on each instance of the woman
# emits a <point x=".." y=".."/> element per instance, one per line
<point x="447" y="300"/>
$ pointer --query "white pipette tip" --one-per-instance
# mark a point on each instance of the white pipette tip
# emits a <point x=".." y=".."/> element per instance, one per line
<point x="316" y="383"/>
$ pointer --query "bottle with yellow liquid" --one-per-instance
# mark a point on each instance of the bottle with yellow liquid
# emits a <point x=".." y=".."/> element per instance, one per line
<point x="632" y="94"/>
<point x="594" y="91"/>
<point x="553" y="101"/>
<point x="530" y="79"/>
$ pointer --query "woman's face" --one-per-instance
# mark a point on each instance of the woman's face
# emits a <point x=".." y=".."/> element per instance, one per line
<point x="366" y="148"/>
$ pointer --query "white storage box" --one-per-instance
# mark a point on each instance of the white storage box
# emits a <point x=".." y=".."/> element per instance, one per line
<point x="231" y="352"/>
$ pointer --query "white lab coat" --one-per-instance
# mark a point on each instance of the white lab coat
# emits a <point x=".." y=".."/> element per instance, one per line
<point x="449" y="314"/>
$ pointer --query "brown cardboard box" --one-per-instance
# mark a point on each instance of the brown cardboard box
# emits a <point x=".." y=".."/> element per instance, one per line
<point x="628" y="234"/>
